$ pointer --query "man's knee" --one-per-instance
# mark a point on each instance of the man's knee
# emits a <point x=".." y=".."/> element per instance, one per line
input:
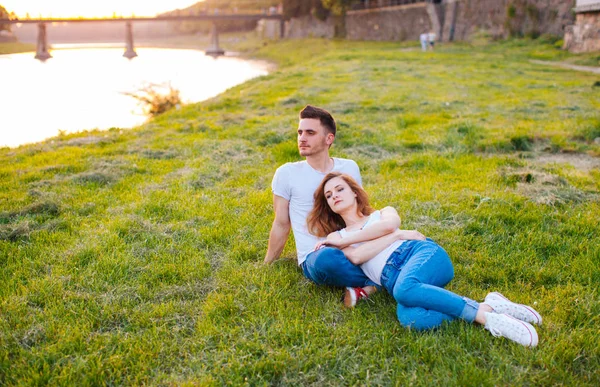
<point x="326" y="259"/>
<point x="329" y="266"/>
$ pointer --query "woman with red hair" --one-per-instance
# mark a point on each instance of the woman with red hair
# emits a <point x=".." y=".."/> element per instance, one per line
<point x="412" y="268"/>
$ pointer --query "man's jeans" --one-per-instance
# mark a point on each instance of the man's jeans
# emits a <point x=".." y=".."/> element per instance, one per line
<point x="329" y="266"/>
<point x="415" y="275"/>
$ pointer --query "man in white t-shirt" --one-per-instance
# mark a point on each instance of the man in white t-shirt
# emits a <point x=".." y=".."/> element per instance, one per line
<point x="423" y="38"/>
<point x="293" y="187"/>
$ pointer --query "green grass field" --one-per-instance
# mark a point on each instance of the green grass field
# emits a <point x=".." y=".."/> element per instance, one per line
<point x="133" y="257"/>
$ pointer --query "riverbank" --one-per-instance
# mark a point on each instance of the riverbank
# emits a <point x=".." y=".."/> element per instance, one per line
<point x="15" y="48"/>
<point x="135" y="256"/>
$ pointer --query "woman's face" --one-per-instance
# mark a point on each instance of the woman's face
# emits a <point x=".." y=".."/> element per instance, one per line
<point x="339" y="195"/>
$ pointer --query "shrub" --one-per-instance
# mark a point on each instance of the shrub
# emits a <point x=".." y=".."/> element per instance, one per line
<point x="157" y="99"/>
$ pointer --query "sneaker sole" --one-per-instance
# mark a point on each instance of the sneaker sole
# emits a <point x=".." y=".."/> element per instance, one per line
<point x="537" y="317"/>
<point x="349" y="298"/>
<point x="532" y="332"/>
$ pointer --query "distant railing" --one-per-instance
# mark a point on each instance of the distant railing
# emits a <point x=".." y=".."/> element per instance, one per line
<point x="42" y="51"/>
<point x="373" y="4"/>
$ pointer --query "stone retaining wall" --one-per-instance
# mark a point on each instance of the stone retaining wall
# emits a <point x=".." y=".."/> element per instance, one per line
<point x="584" y="36"/>
<point x="309" y="27"/>
<point x="404" y="22"/>
<point x="451" y="20"/>
<point x="502" y="18"/>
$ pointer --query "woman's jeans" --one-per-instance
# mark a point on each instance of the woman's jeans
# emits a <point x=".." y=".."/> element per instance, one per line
<point x="415" y="275"/>
<point x="329" y="266"/>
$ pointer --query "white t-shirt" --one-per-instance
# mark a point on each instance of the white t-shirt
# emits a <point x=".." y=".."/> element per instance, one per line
<point x="374" y="267"/>
<point x="296" y="183"/>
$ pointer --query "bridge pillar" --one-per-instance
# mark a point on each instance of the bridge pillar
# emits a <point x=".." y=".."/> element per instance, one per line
<point x="214" y="49"/>
<point x="129" y="50"/>
<point x="41" y="52"/>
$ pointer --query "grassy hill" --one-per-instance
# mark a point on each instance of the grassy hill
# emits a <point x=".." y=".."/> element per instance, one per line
<point x="135" y="256"/>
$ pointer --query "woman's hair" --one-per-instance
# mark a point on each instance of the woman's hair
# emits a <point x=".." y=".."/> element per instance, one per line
<point x="322" y="220"/>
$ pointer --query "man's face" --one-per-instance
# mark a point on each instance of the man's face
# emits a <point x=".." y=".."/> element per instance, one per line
<point x="313" y="138"/>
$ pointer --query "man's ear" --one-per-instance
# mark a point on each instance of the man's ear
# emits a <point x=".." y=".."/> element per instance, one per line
<point x="329" y="139"/>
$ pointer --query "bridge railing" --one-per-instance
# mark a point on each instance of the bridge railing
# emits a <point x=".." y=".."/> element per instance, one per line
<point x="187" y="17"/>
<point x="374" y="4"/>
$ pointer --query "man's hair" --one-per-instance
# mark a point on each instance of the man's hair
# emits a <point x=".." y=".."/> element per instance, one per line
<point x="321" y="220"/>
<point x="320" y="114"/>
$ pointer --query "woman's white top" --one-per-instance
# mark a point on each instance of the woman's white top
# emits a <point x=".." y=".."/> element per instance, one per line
<point x="374" y="267"/>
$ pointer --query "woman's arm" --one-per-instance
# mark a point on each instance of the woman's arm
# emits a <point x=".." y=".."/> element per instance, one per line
<point x="389" y="222"/>
<point x="368" y="250"/>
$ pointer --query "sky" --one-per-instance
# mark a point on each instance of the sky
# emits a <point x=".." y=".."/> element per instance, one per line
<point x="92" y="8"/>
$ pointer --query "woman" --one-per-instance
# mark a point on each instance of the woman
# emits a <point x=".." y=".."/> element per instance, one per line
<point x="414" y="271"/>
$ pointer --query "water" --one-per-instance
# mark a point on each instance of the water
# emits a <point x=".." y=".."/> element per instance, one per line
<point x="81" y="88"/>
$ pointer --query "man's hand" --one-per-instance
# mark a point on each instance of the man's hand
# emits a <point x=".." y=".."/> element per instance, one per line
<point x="333" y="240"/>
<point x="268" y="260"/>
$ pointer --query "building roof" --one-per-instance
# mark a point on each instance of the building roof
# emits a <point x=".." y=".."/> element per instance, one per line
<point x="587" y="6"/>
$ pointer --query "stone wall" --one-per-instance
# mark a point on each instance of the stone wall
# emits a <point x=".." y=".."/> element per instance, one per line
<point x="404" y="22"/>
<point x="309" y="27"/>
<point x="502" y="18"/>
<point x="269" y="29"/>
<point x="450" y="20"/>
<point x="584" y="36"/>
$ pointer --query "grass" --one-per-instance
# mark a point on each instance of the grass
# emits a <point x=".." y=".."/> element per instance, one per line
<point x="135" y="256"/>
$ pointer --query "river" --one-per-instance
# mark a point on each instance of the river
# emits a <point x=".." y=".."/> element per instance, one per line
<point x="82" y="87"/>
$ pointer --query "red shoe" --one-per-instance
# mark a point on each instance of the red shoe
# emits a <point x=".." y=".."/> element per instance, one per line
<point x="353" y="295"/>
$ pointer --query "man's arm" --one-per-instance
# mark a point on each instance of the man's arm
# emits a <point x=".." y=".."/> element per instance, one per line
<point x="280" y="230"/>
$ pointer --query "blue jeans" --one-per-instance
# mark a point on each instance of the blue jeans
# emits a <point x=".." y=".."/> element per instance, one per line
<point x="415" y="275"/>
<point x="329" y="266"/>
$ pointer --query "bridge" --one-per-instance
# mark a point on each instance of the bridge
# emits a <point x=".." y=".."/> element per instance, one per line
<point x="42" y="52"/>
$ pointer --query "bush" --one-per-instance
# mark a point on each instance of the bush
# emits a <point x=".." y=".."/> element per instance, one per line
<point x="157" y="99"/>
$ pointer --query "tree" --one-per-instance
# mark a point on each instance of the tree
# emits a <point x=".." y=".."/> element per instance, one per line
<point x="298" y="8"/>
<point x="4" y="15"/>
<point x="339" y="9"/>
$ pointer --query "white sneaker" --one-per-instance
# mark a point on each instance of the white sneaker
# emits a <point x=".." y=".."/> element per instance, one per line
<point x="503" y="325"/>
<point x="501" y="304"/>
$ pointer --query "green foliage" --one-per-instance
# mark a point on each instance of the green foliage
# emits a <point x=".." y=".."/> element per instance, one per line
<point x="511" y="11"/>
<point x="221" y="6"/>
<point x="590" y="131"/>
<point x="134" y="257"/>
<point x="299" y="8"/>
<point x="4" y="15"/>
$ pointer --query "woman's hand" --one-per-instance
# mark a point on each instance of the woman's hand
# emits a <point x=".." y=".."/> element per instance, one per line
<point x="410" y="235"/>
<point x="333" y="240"/>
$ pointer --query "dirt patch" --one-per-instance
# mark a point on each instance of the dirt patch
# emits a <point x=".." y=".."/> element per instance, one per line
<point x="589" y="69"/>
<point x="544" y="188"/>
<point x="582" y="162"/>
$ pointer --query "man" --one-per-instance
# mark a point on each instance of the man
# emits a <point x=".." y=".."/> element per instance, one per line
<point x="423" y="38"/>
<point x="293" y="187"/>
<point x="431" y="39"/>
